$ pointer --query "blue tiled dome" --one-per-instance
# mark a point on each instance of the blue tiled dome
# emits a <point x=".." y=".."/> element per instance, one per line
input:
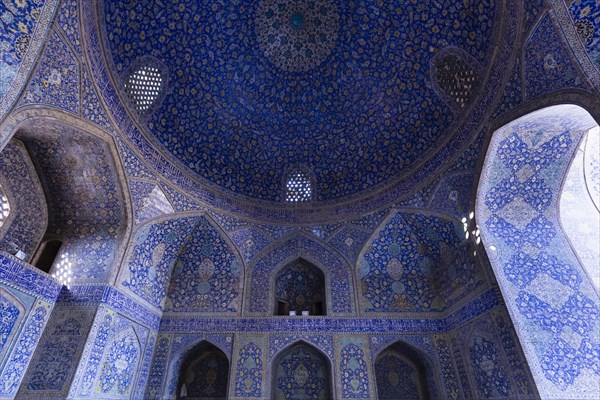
<point x="255" y="88"/>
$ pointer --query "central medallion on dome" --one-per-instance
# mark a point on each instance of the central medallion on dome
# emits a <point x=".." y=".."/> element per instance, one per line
<point x="297" y="35"/>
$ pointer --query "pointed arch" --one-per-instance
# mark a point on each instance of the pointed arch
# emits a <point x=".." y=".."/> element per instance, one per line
<point x="339" y="297"/>
<point x="84" y="187"/>
<point x="539" y="275"/>
<point x="418" y="377"/>
<point x="120" y="363"/>
<point x="162" y="248"/>
<point x="290" y="376"/>
<point x="413" y="262"/>
<point x="204" y="370"/>
<point x="299" y="286"/>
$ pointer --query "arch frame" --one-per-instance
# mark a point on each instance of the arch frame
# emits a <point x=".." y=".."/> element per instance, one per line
<point x="545" y="342"/>
<point x="129" y="253"/>
<point x="281" y="253"/>
<point x="429" y="366"/>
<point x="185" y="357"/>
<point x="299" y="342"/>
<point x="26" y="116"/>
<point x="126" y="331"/>
<point x="279" y="269"/>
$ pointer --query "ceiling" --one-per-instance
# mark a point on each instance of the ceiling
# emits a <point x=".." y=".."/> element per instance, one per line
<point x="342" y="89"/>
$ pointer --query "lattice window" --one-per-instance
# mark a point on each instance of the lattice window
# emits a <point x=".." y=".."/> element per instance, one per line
<point x="298" y="187"/>
<point x="143" y="87"/>
<point x="457" y="78"/>
<point x="4" y="207"/>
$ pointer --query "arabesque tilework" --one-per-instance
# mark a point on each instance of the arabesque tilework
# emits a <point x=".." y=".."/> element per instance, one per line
<point x="543" y="284"/>
<point x="175" y="248"/>
<point x="243" y="62"/>
<point x="30" y="213"/>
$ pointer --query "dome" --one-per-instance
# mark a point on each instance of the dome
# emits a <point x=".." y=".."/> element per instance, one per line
<point x="360" y="94"/>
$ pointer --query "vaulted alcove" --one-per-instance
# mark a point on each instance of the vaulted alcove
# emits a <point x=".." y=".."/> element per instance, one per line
<point x="204" y="374"/>
<point x="71" y="215"/>
<point x="300" y="288"/>
<point x="301" y="372"/>
<point x="403" y="373"/>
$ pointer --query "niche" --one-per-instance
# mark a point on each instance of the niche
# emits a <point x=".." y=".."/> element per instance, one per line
<point x="204" y="374"/>
<point x="301" y="372"/>
<point x="46" y="255"/>
<point x="400" y="374"/>
<point x="300" y="289"/>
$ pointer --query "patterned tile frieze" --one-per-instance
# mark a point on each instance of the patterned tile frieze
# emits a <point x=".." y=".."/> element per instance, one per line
<point x="18" y="274"/>
<point x="82" y="294"/>
<point x="300" y="324"/>
<point x="485" y="302"/>
<point x="117" y="300"/>
<point x="111" y="297"/>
